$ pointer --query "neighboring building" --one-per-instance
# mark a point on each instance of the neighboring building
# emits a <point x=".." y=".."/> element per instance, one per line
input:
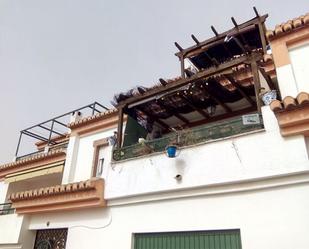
<point x="197" y="162"/>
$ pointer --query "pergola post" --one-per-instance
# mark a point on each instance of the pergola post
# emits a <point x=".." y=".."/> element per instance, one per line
<point x="120" y="126"/>
<point x="182" y="65"/>
<point x="257" y="83"/>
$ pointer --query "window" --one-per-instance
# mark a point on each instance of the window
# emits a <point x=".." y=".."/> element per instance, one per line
<point x="100" y="147"/>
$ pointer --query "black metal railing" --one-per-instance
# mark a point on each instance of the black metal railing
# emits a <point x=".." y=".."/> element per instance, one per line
<point x="57" y="126"/>
<point x="55" y="147"/>
<point x="6" y="208"/>
<point x="188" y="137"/>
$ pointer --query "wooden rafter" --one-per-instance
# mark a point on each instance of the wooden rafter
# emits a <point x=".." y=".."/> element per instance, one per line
<point x="204" y="114"/>
<point x="244" y="47"/>
<point x="160" y="122"/>
<point x="184" y="81"/>
<point x="200" y="111"/>
<point x="241" y="28"/>
<point x="179" y="116"/>
<point x="223" y="116"/>
<point x="237" y="86"/>
<point x="225" y="107"/>
<point x="267" y="78"/>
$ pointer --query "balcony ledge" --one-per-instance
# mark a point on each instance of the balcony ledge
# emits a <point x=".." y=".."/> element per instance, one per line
<point x="32" y="162"/>
<point x="86" y="194"/>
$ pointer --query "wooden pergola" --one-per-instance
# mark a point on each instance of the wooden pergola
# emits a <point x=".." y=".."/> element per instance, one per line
<point x="214" y="61"/>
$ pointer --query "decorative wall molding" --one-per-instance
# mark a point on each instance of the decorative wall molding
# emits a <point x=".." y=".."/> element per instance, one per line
<point x="34" y="161"/>
<point x="85" y="194"/>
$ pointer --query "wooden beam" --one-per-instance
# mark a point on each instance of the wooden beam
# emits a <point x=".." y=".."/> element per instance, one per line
<point x="120" y="126"/>
<point x="195" y="39"/>
<point x="237" y="86"/>
<point x="232" y="31"/>
<point x="245" y="47"/>
<point x="214" y="30"/>
<point x="225" y="107"/>
<point x="200" y="111"/>
<point x="256" y="12"/>
<point x="263" y="37"/>
<point x="267" y="78"/>
<point x="257" y="83"/>
<point x="182" y="66"/>
<point x="201" y="49"/>
<point x="160" y="122"/>
<point x="163" y="82"/>
<point x="178" y="46"/>
<point x="182" y="82"/>
<point x="179" y="116"/>
<point x="223" y="116"/>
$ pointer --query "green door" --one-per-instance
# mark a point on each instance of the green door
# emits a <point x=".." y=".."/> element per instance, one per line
<point x="227" y="239"/>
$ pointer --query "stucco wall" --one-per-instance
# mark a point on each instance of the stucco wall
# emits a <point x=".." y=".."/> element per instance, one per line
<point x="260" y="154"/>
<point x="300" y="58"/>
<point x="3" y="191"/>
<point x="270" y="218"/>
<point x="11" y="225"/>
<point x="80" y="164"/>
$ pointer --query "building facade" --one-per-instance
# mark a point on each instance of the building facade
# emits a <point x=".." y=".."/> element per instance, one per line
<point x="239" y="177"/>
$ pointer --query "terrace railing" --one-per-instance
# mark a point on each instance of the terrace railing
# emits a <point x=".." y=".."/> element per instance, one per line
<point x="6" y="208"/>
<point x="200" y="134"/>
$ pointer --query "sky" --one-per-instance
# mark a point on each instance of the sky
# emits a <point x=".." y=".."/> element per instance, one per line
<point x="58" y="55"/>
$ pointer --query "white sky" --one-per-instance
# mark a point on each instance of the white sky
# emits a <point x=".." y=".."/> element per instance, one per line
<point x="58" y="55"/>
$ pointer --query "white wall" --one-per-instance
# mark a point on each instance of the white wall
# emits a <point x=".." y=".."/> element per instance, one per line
<point x="10" y="228"/>
<point x="271" y="218"/>
<point x="3" y="191"/>
<point x="84" y="155"/>
<point x="286" y="81"/>
<point x="216" y="193"/>
<point x="261" y="154"/>
<point x="300" y="59"/>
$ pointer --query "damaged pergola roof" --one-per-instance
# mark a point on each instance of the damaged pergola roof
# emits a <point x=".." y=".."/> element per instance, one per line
<point x="225" y="73"/>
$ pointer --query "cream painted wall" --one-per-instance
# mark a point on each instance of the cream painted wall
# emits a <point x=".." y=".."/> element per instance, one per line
<point x="300" y="63"/>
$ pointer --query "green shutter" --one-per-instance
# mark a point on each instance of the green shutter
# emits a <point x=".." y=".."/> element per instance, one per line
<point x="227" y="239"/>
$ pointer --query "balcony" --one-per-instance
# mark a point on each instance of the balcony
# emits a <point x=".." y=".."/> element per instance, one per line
<point x="86" y="194"/>
<point x="197" y="135"/>
<point x="36" y="165"/>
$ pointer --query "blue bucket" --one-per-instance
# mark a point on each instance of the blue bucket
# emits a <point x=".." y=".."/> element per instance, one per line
<point x="171" y="151"/>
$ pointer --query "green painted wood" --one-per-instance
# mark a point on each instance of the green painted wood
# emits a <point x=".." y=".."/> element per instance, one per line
<point x="187" y="137"/>
<point x="229" y="239"/>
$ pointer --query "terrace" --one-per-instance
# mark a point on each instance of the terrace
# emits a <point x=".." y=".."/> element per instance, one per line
<point x="222" y="83"/>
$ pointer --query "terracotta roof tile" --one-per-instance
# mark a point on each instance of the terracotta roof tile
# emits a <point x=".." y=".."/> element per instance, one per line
<point x="289" y="102"/>
<point x="288" y="26"/>
<point x="54" y="190"/>
<point x="92" y="118"/>
<point x="32" y="159"/>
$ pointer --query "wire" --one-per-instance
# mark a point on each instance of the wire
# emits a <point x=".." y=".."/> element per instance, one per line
<point x="93" y="228"/>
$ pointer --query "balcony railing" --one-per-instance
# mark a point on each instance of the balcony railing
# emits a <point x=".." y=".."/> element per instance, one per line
<point x="223" y="129"/>
<point x="6" y="208"/>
